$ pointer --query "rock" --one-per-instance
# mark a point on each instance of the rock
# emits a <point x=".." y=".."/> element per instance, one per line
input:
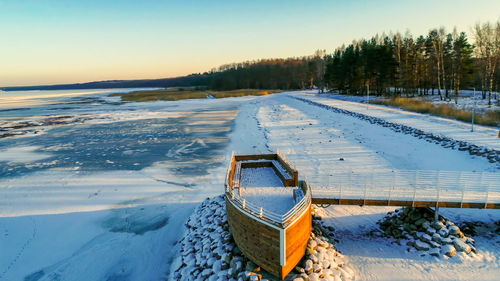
<point x="206" y="272"/>
<point x="443" y="232"/>
<point x="453" y="230"/>
<point x="232" y="273"/>
<point x="325" y="263"/>
<point x="311" y="251"/>
<point x="299" y="269"/>
<point x="304" y="276"/>
<point x="216" y="278"/>
<point x="217" y="266"/>
<point x="236" y="251"/>
<point x="430" y="230"/>
<point x="420" y="221"/>
<point x="314" y="258"/>
<point x="437" y="225"/>
<point x="435" y="252"/>
<point x="253" y="278"/>
<point x="415" y="214"/>
<point x="446" y="240"/>
<point x="426" y="224"/>
<point x="424" y="237"/>
<point x="250" y="266"/>
<point x="323" y="243"/>
<point x="317" y="268"/>
<point x="422" y="246"/>
<point x="312" y="244"/>
<point x="461" y="246"/>
<point x="434" y="244"/>
<point x="448" y="250"/>
<point x="210" y="262"/>
<point x="308" y="266"/>
<point x="314" y="277"/>
<point x="436" y="237"/>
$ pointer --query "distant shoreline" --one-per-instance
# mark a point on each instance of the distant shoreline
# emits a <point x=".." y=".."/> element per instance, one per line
<point x="184" y="81"/>
<point x="174" y="94"/>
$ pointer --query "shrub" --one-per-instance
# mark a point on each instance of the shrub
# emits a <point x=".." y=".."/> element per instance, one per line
<point x="490" y="118"/>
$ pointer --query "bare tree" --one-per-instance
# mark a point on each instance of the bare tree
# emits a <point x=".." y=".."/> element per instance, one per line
<point x="398" y="46"/>
<point x="487" y="51"/>
<point x="319" y="58"/>
<point x="437" y="38"/>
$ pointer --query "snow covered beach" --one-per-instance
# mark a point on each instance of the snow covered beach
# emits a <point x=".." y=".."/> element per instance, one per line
<point x="105" y="199"/>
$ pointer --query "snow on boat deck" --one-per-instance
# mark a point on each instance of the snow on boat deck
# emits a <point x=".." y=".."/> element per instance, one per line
<point x="263" y="188"/>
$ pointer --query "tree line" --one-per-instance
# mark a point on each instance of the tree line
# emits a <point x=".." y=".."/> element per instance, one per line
<point x="439" y="62"/>
<point x="289" y="73"/>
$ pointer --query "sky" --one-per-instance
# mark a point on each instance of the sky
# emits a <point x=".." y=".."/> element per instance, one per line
<point x="54" y="41"/>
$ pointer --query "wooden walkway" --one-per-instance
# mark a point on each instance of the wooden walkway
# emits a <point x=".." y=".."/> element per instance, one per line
<point x="415" y="188"/>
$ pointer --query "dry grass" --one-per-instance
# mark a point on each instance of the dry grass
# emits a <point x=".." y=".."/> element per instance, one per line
<point x="189" y="93"/>
<point x="490" y="118"/>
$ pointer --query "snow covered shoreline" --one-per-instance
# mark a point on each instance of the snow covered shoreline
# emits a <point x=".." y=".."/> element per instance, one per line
<point x="61" y="221"/>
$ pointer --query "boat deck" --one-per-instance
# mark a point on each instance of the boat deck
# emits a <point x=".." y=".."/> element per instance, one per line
<point x="263" y="188"/>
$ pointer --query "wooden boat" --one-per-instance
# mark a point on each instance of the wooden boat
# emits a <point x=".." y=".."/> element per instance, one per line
<point x="268" y="210"/>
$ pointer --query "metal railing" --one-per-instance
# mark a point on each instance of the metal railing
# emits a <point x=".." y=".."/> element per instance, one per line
<point x="410" y="185"/>
<point x="267" y="215"/>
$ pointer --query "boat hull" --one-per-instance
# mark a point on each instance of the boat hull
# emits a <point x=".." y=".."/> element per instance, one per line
<point x="275" y="249"/>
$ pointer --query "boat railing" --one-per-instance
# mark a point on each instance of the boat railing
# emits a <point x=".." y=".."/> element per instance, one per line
<point x="267" y="215"/>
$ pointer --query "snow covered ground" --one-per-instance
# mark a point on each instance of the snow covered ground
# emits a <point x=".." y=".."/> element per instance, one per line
<point x="263" y="188"/>
<point x="482" y="135"/>
<point x="105" y="198"/>
<point x="468" y="99"/>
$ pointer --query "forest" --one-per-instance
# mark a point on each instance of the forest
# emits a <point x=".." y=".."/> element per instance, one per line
<point x="438" y="62"/>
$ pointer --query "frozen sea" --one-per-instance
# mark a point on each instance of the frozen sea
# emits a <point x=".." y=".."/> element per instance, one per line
<point x="96" y="189"/>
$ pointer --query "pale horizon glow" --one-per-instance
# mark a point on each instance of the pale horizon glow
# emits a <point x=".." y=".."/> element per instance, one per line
<point x="55" y="42"/>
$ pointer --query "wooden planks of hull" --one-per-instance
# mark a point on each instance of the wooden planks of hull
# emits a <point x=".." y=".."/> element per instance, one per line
<point x="297" y="236"/>
<point x="257" y="241"/>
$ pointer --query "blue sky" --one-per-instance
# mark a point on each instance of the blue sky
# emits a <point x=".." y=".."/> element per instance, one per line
<point x="47" y="42"/>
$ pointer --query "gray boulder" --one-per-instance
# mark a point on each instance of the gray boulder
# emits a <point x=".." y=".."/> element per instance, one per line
<point x="437" y="225"/>
<point x="448" y="250"/>
<point x="461" y="246"/>
<point x="422" y="246"/>
<point x="443" y="232"/>
<point x="309" y="266"/>
<point x="453" y="230"/>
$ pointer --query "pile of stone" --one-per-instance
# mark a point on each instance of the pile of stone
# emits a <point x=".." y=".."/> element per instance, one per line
<point x="208" y="252"/>
<point x="322" y="261"/>
<point x="420" y="229"/>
